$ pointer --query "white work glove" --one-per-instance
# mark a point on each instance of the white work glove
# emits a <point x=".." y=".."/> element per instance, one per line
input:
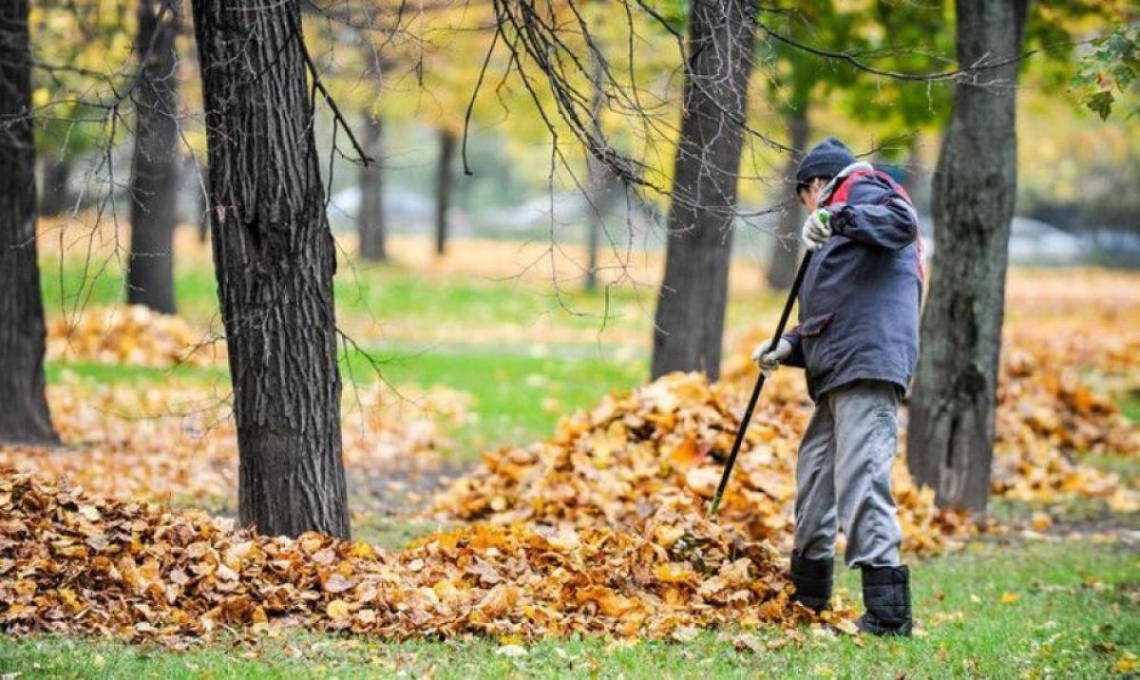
<point x="817" y="229"/>
<point x="768" y="359"/>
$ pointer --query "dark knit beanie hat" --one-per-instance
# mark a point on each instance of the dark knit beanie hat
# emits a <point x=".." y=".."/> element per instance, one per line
<point x="827" y="159"/>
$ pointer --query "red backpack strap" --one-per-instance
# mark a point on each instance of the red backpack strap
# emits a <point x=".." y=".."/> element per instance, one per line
<point x="840" y="196"/>
<point x="844" y="188"/>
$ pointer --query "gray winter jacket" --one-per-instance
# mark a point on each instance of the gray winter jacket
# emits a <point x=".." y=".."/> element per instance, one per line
<point x="860" y="298"/>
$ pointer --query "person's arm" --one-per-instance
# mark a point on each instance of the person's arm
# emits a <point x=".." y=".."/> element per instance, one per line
<point x="796" y="358"/>
<point x="876" y="215"/>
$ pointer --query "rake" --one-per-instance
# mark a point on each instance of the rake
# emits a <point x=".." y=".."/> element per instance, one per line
<point x="759" y="386"/>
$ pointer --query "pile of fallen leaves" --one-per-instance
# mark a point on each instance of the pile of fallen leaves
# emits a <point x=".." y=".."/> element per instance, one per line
<point x="1072" y="340"/>
<point x="1047" y="389"/>
<point x="613" y="465"/>
<point x="131" y="334"/>
<point x="160" y="443"/>
<point x="74" y="562"/>
<point x="1050" y="414"/>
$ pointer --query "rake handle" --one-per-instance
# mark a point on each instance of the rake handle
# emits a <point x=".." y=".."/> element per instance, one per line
<point x="795" y="291"/>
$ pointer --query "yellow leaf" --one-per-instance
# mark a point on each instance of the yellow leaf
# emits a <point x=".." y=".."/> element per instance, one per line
<point x="1127" y="663"/>
<point x="1009" y="598"/>
<point x="363" y="550"/>
<point x="674" y="573"/>
<point x="337" y="610"/>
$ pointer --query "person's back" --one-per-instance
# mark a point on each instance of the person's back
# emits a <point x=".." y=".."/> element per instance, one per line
<point x="862" y="291"/>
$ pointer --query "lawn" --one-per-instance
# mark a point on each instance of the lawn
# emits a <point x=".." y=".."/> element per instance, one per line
<point x="1058" y="606"/>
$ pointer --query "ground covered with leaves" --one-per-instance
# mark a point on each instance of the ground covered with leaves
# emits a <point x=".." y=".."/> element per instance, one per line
<point x="596" y="530"/>
<point x="73" y="562"/>
<point x="1058" y="605"/>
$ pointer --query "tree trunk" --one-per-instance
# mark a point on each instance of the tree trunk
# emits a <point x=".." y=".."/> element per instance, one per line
<point x="56" y="197"/>
<point x="785" y="257"/>
<point x="24" y="416"/>
<point x="443" y="188"/>
<point x="690" y="306"/>
<point x="370" y="220"/>
<point x="154" y="175"/>
<point x="952" y="415"/>
<point x="594" y="219"/>
<point x="598" y="178"/>
<point x="275" y="258"/>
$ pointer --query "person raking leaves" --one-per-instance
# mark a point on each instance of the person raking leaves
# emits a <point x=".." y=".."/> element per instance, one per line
<point x="857" y="340"/>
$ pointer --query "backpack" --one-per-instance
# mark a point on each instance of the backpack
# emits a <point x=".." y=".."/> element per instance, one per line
<point x="840" y="196"/>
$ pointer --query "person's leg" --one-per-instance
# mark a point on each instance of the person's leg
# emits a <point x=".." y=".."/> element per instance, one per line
<point x="866" y="426"/>
<point x="813" y="559"/>
<point x="866" y="437"/>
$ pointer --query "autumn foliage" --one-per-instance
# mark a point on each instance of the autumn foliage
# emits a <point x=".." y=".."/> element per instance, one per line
<point x="158" y="443"/>
<point x="600" y="529"/>
<point x="74" y="562"/>
<point x="131" y="334"/>
<point x="612" y="466"/>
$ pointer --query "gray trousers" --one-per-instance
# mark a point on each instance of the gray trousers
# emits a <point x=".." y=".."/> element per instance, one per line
<point x="843" y="476"/>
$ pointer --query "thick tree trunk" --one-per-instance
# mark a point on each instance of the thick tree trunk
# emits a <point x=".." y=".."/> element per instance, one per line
<point x="24" y="416"/>
<point x="443" y="188"/>
<point x="691" y="303"/>
<point x="275" y="258"/>
<point x="952" y="414"/>
<point x="784" y="260"/>
<point x="154" y="176"/>
<point x="55" y="199"/>
<point x="370" y="220"/>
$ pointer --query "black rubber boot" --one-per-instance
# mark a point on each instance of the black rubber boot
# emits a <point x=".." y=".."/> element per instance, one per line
<point x="812" y="579"/>
<point x="886" y="595"/>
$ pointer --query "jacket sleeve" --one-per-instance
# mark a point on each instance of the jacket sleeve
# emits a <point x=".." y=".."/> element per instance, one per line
<point x="796" y="358"/>
<point x="876" y="215"/>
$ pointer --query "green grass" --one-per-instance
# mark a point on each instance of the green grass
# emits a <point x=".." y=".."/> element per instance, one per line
<point x="1130" y="406"/>
<point x="75" y="284"/>
<point x="101" y="374"/>
<point x="510" y="388"/>
<point x="372" y="293"/>
<point x="1074" y="615"/>
<point x="520" y="388"/>
<point x="391" y="291"/>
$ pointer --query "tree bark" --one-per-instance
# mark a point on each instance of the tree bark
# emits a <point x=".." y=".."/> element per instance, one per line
<point x="56" y="196"/>
<point x="275" y="258"/>
<point x="154" y="175"/>
<point x="370" y="220"/>
<point x="24" y="416"/>
<point x="443" y="188"/>
<point x="952" y="414"/>
<point x="784" y="260"/>
<point x="691" y="302"/>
